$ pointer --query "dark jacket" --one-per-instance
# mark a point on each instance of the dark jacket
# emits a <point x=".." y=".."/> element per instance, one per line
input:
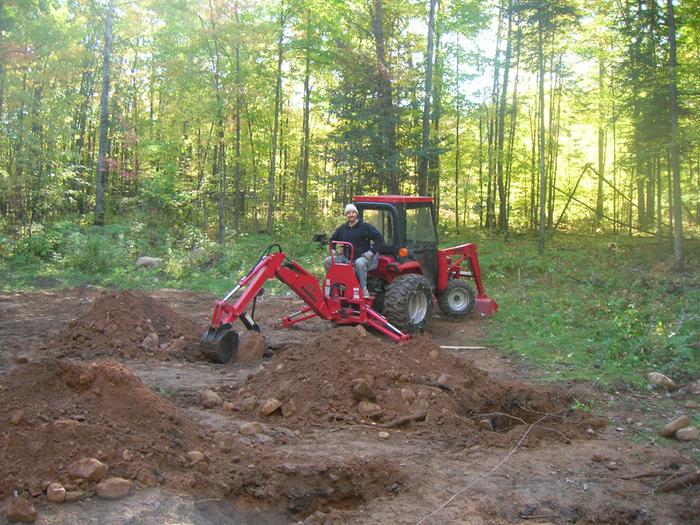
<point x="360" y="236"/>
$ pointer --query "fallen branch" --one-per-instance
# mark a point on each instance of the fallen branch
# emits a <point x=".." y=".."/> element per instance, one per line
<point x="679" y="482"/>
<point x="420" y="415"/>
<point x="442" y="386"/>
<point x="488" y="414"/>
<point x="650" y="474"/>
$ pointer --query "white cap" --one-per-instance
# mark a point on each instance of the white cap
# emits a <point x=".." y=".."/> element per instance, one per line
<point x="350" y="207"/>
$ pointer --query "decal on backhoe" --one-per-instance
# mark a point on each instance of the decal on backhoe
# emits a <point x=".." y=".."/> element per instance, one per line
<point x="310" y="292"/>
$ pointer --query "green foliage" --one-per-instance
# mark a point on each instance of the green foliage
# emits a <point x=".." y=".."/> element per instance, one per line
<point x="595" y="308"/>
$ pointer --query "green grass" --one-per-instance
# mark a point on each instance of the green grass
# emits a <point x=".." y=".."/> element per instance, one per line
<point x="596" y="308"/>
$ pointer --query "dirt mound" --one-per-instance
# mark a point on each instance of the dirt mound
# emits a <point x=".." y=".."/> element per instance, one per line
<point x="126" y="324"/>
<point x="348" y="376"/>
<point x="56" y="412"/>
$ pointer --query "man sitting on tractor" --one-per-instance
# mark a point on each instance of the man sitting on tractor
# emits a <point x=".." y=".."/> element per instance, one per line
<point x="366" y="240"/>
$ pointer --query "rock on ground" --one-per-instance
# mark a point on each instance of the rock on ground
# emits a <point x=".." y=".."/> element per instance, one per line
<point x="20" y="509"/>
<point x="55" y="493"/>
<point x="75" y="495"/>
<point x="113" y="488"/>
<point x="674" y="425"/>
<point x="367" y="409"/>
<point x="148" y="262"/>
<point x="88" y="468"/>
<point x="210" y="399"/>
<point x="251" y="348"/>
<point x="660" y="380"/>
<point x="270" y="406"/>
<point x="195" y="456"/>
<point x="17" y="418"/>
<point x="687" y="434"/>
<point x="250" y="428"/>
<point x="150" y="342"/>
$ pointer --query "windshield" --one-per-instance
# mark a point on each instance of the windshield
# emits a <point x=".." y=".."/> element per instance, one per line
<point x="419" y="226"/>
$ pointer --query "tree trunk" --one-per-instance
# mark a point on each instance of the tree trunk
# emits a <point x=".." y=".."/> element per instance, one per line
<point x="675" y="165"/>
<point x="457" y="149"/>
<point x="424" y="154"/>
<point x="543" y="175"/>
<point x="434" y="157"/>
<point x="102" y="168"/>
<point x="500" y="127"/>
<point x="306" y="119"/>
<point x="386" y="104"/>
<point x="275" y="131"/>
<point x="601" y="143"/>
<point x="238" y="198"/>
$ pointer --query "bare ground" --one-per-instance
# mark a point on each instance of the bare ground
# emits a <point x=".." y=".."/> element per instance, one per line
<point x="609" y="476"/>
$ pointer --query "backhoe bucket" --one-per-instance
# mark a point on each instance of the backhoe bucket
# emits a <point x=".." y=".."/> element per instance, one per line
<point x="486" y="306"/>
<point x="219" y="345"/>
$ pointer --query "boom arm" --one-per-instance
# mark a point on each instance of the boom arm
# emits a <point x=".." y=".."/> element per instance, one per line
<point x="272" y="265"/>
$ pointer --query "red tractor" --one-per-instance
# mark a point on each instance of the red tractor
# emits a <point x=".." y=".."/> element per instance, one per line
<point x="411" y="272"/>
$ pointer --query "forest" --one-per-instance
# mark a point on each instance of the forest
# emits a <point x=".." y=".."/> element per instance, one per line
<point x="232" y="117"/>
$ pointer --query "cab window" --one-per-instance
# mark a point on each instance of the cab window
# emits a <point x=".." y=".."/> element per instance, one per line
<point x="419" y="225"/>
<point x="381" y="219"/>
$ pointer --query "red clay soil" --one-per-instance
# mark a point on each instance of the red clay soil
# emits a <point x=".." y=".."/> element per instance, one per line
<point x="118" y="324"/>
<point x="57" y="412"/>
<point x="417" y="386"/>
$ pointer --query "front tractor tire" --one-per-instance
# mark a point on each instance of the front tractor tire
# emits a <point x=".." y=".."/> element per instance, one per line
<point x="458" y="299"/>
<point x="408" y="303"/>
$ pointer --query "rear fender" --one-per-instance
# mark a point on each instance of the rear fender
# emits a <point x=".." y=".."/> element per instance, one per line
<point x="389" y="269"/>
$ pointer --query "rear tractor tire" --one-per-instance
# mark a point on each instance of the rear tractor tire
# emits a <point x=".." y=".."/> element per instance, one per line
<point x="408" y="303"/>
<point x="458" y="299"/>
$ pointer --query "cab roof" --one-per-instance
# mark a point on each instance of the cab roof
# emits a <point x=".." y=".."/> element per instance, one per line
<point x="392" y="199"/>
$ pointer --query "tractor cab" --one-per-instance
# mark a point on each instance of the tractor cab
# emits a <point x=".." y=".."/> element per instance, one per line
<point x="408" y="227"/>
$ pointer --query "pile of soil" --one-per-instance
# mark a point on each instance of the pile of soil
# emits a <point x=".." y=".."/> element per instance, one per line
<point x="348" y="376"/>
<point x="56" y="412"/>
<point x="126" y="324"/>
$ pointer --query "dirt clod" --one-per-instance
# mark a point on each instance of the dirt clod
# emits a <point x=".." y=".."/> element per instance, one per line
<point x="362" y="390"/>
<point x="113" y="488"/>
<point x="150" y="342"/>
<point x="20" y="509"/>
<point x="288" y="408"/>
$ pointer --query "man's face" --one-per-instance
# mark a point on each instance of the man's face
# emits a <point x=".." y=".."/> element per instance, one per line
<point x="351" y="216"/>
